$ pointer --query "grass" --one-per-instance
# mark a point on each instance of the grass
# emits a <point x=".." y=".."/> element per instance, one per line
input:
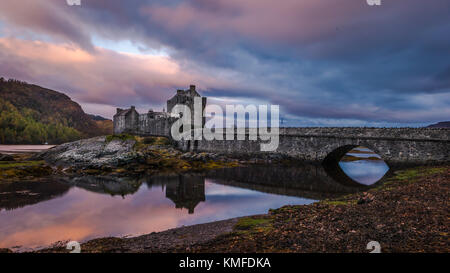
<point x="156" y="141"/>
<point x="350" y="158"/>
<point x="217" y="165"/>
<point x="144" y="142"/>
<point x="16" y="170"/>
<point x="338" y="202"/>
<point x="254" y="224"/>
<point x="360" y="152"/>
<point x="16" y="164"/>
<point x="408" y="176"/>
<point x="415" y="173"/>
<point x="122" y="137"/>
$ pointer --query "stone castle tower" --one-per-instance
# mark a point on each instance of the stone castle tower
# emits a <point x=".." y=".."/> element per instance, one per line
<point x="155" y="123"/>
<point x="186" y="97"/>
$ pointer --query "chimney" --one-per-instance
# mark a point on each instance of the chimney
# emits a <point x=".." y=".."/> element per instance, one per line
<point x="133" y="108"/>
<point x="118" y="110"/>
<point x="192" y="87"/>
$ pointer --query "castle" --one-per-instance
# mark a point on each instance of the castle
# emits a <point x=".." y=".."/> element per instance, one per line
<point x="155" y="123"/>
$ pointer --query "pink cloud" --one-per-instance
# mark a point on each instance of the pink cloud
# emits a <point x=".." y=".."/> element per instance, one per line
<point x="46" y="17"/>
<point x="103" y="77"/>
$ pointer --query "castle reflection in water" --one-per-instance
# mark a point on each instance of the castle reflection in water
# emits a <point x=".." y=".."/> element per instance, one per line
<point x="119" y="206"/>
<point x="187" y="190"/>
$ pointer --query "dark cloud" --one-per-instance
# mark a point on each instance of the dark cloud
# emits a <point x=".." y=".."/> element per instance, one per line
<point x="317" y="58"/>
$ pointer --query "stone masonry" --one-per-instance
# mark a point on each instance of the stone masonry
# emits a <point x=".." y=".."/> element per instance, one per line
<point x="394" y="145"/>
<point x="154" y="123"/>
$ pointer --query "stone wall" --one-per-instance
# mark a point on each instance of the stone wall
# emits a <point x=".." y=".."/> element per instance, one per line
<point x="126" y="123"/>
<point x="142" y="124"/>
<point x="119" y="125"/>
<point x="403" y="133"/>
<point x="394" y="145"/>
<point x="154" y="127"/>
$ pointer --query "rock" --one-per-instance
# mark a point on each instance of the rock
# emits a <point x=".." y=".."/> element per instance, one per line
<point x="186" y="156"/>
<point x="5" y="157"/>
<point x="92" y="153"/>
<point x="366" y="198"/>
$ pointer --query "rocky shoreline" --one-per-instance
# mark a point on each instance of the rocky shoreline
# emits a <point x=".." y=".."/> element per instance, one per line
<point x="117" y="155"/>
<point x="408" y="213"/>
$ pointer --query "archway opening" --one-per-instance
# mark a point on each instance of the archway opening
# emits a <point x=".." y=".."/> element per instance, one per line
<point x="356" y="165"/>
<point x="363" y="165"/>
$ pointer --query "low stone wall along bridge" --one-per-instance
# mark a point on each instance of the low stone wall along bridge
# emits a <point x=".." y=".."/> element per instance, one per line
<point x="394" y="145"/>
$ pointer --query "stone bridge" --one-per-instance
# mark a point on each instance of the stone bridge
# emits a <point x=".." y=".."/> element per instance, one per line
<point x="394" y="145"/>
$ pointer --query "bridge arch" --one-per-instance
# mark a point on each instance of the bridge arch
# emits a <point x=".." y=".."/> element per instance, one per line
<point x="334" y="170"/>
<point x="337" y="153"/>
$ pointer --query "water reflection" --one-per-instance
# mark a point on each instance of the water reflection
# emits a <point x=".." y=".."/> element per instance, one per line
<point x="18" y="195"/>
<point x="16" y="149"/>
<point x="363" y="165"/>
<point x="185" y="191"/>
<point x="105" y="184"/>
<point x="306" y="180"/>
<point x="87" y="207"/>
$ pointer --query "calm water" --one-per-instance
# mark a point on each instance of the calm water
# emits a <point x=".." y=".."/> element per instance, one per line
<point x="15" y="149"/>
<point x="35" y="214"/>
<point x="364" y="171"/>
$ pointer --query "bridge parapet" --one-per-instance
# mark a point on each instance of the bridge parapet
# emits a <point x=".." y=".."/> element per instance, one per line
<point x="364" y="132"/>
<point x="394" y="145"/>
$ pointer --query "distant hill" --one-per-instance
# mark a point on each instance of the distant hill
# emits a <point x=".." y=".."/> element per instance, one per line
<point x="97" y="118"/>
<point x="30" y="114"/>
<point x="106" y="125"/>
<point x="442" y="124"/>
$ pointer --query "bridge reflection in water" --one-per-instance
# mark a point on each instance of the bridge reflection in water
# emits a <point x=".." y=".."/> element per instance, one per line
<point x="188" y="190"/>
<point x="79" y="208"/>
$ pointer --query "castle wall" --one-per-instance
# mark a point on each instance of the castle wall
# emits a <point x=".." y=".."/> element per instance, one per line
<point x="154" y="127"/>
<point x="119" y="125"/>
<point x="126" y="123"/>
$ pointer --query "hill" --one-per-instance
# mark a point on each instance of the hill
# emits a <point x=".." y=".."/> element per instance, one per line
<point x="442" y="124"/>
<point x="97" y="118"/>
<point x="30" y="114"/>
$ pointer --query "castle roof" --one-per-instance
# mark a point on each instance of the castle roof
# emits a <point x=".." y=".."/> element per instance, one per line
<point x="124" y="112"/>
<point x="191" y="92"/>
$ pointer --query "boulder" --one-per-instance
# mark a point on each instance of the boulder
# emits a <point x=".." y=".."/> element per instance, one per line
<point x="93" y="152"/>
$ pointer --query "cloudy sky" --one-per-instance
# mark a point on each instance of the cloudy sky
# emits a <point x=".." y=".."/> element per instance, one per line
<point x="325" y="62"/>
